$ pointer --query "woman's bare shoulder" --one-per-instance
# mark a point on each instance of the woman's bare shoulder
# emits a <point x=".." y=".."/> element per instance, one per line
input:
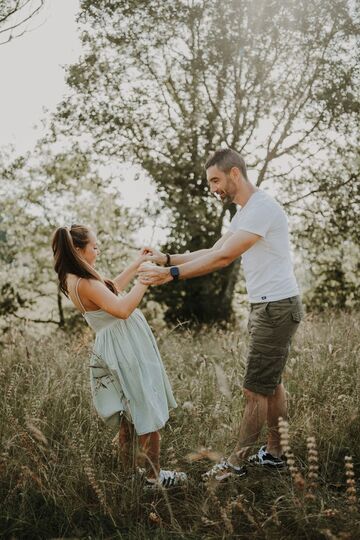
<point x="84" y="283"/>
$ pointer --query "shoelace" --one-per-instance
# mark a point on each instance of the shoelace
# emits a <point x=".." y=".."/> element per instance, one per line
<point x="168" y="479"/>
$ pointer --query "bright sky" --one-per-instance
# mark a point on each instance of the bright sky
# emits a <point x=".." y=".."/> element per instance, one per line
<point x="33" y="83"/>
<point x="32" y="76"/>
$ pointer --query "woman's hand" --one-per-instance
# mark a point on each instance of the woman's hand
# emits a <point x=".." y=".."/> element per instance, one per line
<point x="151" y="274"/>
<point x="154" y="255"/>
<point x="143" y="256"/>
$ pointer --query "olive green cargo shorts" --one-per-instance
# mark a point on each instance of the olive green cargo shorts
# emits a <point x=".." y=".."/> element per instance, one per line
<point x="271" y="326"/>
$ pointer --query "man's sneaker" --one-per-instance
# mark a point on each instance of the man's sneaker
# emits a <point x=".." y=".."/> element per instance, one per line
<point x="166" y="479"/>
<point x="224" y="470"/>
<point x="264" y="458"/>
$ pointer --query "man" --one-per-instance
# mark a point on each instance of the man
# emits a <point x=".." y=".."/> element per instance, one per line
<point x="259" y="233"/>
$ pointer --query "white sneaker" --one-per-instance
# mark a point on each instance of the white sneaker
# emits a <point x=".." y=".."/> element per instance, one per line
<point x="263" y="458"/>
<point x="224" y="470"/>
<point x="166" y="479"/>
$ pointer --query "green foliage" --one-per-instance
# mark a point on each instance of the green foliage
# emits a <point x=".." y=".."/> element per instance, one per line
<point x="38" y="194"/>
<point x="328" y="234"/>
<point x="162" y="84"/>
<point x="61" y="474"/>
<point x="10" y="300"/>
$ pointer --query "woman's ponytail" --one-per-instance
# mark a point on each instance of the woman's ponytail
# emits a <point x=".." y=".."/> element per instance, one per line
<point x="68" y="261"/>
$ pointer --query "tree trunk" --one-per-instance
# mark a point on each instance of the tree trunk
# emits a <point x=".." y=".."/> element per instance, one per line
<point x="60" y="310"/>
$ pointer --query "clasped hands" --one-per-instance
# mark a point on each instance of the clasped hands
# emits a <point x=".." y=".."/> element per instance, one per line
<point x="149" y="273"/>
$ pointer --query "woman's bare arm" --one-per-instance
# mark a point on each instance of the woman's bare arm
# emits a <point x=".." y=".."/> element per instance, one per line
<point x="122" y="280"/>
<point x="118" y="306"/>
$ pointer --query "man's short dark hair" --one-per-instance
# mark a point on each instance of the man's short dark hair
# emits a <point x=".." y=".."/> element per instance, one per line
<point x="225" y="159"/>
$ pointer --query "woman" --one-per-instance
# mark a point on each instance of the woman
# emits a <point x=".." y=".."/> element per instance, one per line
<point x="129" y="385"/>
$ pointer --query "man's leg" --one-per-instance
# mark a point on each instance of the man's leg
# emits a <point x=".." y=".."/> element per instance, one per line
<point x="255" y="414"/>
<point x="277" y="406"/>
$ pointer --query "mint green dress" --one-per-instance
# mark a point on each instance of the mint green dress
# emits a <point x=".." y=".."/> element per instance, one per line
<point x="127" y="375"/>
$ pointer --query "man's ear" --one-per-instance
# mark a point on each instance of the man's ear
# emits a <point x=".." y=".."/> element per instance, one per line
<point x="235" y="174"/>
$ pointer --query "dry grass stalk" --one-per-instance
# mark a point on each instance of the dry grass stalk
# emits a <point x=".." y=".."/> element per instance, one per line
<point x="10" y="391"/>
<point x="328" y="534"/>
<point x="313" y="474"/>
<point x="223" y="383"/>
<point x="35" y="410"/>
<point x="203" y="453"/>
<point x="215" y="508"/>
<point x="30" y="448"/>
<point x="350" y="482"/>
<point x="28" y="474"/>
<point x="290" y="458"/>
<point x="90" y="473"/>
<point x="155" y="519"/>
<point x="36" y="433"/>
<point x="172" y="459"/>
<point x="226" y="517"/>
<point x="240" y="504"/>
<point x="208" y="522"/>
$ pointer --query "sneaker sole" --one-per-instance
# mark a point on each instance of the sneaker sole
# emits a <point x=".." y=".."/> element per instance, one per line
<point x="268" y="464"/>
<point x="224" y="477"/>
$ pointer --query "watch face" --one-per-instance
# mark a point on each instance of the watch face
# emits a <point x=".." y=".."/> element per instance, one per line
<point x="174" y="271"/>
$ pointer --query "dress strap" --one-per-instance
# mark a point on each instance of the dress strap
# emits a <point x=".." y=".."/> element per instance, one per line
<point x="77" y="295"/>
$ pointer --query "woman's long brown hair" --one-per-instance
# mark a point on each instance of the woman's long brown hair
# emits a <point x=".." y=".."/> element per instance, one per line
<point x="68" y="261"/>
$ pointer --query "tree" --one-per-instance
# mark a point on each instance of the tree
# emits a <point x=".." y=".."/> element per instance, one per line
<point x="328" y="231"/>
<point x="38" y="194"/>
<point x="162" y="84"/>
<point x="14" y="17"/>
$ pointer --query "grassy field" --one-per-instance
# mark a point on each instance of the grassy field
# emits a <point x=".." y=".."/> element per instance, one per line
<point x="60" y="471"/>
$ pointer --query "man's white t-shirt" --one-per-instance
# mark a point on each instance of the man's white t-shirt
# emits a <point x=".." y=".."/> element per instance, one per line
<point x="267" y="264"/>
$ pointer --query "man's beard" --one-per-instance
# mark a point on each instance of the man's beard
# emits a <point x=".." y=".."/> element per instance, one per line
<point x="227" y="199"/>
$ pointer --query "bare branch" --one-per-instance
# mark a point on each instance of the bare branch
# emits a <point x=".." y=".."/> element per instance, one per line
<point x="48" y="321"/>
<point x="23" y="19"/>
<point x="318" y="190"/>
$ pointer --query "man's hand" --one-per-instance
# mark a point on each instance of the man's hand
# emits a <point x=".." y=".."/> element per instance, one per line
<point x="154" y="255"/>
<point x="150" y="274"/>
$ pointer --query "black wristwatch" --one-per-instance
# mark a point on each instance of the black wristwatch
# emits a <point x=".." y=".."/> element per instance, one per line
<point x="174" y="271"/>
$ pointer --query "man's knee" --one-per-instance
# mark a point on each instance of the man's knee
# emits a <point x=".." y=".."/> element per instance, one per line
<point x="252" y="396"/>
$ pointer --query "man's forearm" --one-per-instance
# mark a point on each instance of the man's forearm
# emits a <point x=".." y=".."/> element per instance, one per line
<point x="205" y="264"/>
<point x="187" y="257"/>
<point x="223" y="253"/>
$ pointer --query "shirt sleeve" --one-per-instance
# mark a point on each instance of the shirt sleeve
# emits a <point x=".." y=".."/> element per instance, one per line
<point x="232" y="226"/>
<point x="256" y="220"/>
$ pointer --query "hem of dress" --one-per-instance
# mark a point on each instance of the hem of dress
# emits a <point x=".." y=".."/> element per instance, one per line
<point x="160" y="427"/>
<point x="122" y="411"/>
<point x="156" y="429"/>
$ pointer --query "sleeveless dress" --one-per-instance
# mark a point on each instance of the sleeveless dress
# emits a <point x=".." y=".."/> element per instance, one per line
<point x="127" y="375"/>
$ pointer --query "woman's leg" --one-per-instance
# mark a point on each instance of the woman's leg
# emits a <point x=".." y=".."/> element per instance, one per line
<point x="127" y="443"/>
<point x="150" y="448"/>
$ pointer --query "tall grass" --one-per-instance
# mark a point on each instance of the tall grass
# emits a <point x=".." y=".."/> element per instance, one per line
<point x="60" y="469"/>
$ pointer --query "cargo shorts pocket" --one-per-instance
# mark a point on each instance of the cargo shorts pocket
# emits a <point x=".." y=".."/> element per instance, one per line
<point x="263" y="373"/>
<point x="296" y="316"/>
<point x="297" y="312"/>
